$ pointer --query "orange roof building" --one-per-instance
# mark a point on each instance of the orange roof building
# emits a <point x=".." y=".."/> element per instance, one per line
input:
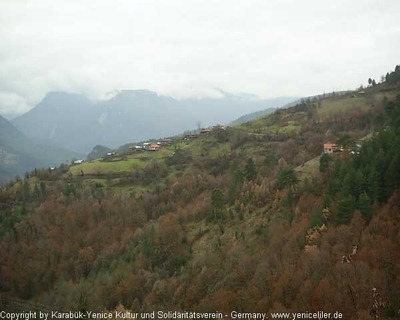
<point x="330" y="147"/>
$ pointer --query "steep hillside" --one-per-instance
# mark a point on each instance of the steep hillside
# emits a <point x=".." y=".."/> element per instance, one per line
<point x="261" y="113"/>
<point x="98" y="152"/>
<point x="249" y="218"/>
<point x="252" y="116"/>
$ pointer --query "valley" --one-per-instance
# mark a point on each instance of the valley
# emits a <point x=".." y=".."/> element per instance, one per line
<point x="252" y="217"/>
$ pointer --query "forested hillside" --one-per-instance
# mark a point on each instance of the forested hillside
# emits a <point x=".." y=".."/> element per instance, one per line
<point x="250" y="218"/>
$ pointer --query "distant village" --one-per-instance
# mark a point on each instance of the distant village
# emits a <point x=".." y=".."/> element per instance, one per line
<point x="328" y="147"/>
<point x="156" y="146"/>
<point x="150" y="146"/>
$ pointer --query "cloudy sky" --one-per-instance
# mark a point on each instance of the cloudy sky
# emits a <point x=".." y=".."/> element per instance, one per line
<point x="189" y="47"/>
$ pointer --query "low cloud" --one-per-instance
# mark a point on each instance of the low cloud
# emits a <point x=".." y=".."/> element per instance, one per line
<point x="11" y="104"/>
<point x="187" y="48"/>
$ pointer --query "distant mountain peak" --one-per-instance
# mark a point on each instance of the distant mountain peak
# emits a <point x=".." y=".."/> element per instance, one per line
<point x="56" y="98"/>
<point x="239" y="95"/>
<point x="63" y="94"/>
<point x="137" y="92"/>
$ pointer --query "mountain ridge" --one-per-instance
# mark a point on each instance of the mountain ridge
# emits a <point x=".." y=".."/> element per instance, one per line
<point x="77" y="123"/>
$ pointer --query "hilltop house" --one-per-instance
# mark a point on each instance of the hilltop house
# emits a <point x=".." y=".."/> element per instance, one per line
<point x="218" y="127"/>
<point x="133" y="149"/>
<point x="79" y="161"/>
<point x="146" y="145"/>
<point x="113" y="153"/>
<point x="189" y="136"/>
<point x="154" y="147"/>
<point x="166" y="141"/>
<point x="205" y="131"/>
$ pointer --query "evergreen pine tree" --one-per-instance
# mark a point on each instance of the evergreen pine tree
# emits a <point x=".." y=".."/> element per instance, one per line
<point x="325" y="163"/>
<point x="237" y="178"/>
<point x="345" y="209"/>
<point x="364" y="204"/>
<point x="373" y="181"/>
<point x="250" y="170"/>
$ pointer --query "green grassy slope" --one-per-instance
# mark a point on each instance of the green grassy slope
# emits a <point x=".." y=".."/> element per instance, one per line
<point x="257" y="138"/>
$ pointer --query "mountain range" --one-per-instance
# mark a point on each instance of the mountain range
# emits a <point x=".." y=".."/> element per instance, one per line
<point x="74" y="122"/>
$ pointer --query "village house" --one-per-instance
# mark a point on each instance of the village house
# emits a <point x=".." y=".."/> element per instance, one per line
<point x="205" y="131"/>
<point x="218" y="127"/>
<point x="189" y="136"/>
<point x="133" y="149"/>
<point x="331" y="148"/>
<point x="78" y="161"/>
<point x="146" y="145"/>
<point x="154" y="147"/>
<point x="166" y="141"/>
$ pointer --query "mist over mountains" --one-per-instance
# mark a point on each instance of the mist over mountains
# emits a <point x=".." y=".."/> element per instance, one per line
<point x="19" y="154"/>
<point x="74" y="122"/>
